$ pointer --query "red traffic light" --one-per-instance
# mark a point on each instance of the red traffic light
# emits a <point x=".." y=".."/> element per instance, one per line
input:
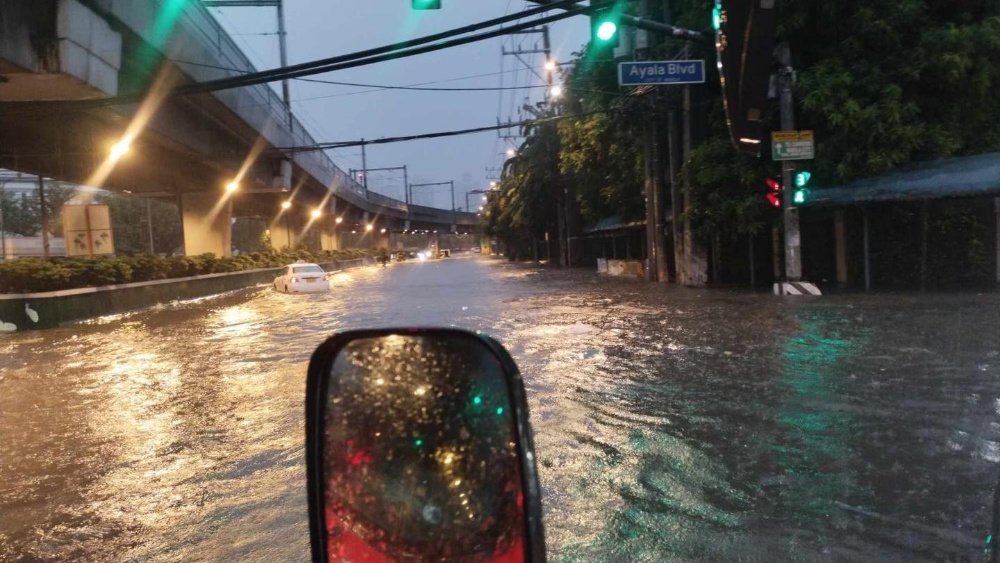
<point x="774" y="192"/>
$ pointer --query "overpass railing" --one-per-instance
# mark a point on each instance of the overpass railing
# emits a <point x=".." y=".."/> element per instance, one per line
<point x="263" y="108"/>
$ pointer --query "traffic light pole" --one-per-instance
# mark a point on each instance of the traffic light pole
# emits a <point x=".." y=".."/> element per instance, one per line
<point x="793" y="241"/>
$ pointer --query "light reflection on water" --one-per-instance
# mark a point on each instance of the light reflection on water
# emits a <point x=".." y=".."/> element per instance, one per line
<point x="671" y="425"/>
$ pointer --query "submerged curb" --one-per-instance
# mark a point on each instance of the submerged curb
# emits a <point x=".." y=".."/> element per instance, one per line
<point x="31" y="311"/>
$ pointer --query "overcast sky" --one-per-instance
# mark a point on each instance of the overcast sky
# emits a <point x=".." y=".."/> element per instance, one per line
<point x="323" y="28"/>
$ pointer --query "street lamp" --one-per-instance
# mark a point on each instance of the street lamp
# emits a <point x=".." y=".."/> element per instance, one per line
<point x="556" y="91"/>
<point x="550" y="65"/>
<point x="232" y="186"/>
<point x="338" y="220"/>
<point x="369" y="227"/>
<point x="511" y="152"/>
<point x="286" y="204"/>
<point x="317" y="213"/>
<point x="382" y="231"/>
<point x="120" y="149"/>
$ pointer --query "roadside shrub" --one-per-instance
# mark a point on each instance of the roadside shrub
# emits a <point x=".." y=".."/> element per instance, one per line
<point x="27" y="275"/>
<point x="149" y="268"/>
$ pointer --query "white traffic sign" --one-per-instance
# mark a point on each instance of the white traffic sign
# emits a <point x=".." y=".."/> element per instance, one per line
<point x="661" y="72"/>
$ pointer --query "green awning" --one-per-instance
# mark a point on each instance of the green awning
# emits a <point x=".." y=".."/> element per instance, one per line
<point x="955" y="177"/>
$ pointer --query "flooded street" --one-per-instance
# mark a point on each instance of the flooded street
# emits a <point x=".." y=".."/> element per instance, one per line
<point x="671" y="424"/>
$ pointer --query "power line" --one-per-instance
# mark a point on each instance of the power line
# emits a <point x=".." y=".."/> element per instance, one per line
<point x="380" y="88"/>
<point x="418" y="88"/>
<point x="438" y="135"/>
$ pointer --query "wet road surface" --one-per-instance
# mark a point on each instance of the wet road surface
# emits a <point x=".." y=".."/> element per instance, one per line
<point x="671" y="424"/>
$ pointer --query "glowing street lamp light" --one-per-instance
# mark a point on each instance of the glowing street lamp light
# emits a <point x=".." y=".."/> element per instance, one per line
<point x="550" y="65"/>
<point x="493" y="184"/>
<point x="511" y="152"/>
<point x="480" y="207"/>
<point x="338" y="220"/>
<point x="382" y="231"/>
<point x="232" y="186"/>
<point x="286" y="204"/>
<point x="317" y="213"/>
<point x="556" y="91"/>
<point x="120" y="149"/>
<point x="369" y="227"/>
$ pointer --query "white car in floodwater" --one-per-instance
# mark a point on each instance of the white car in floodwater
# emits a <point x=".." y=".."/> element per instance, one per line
<point x="303" y="277"/>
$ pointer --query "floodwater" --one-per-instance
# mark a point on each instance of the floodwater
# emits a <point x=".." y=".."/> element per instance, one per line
<point x="671" y="424"/>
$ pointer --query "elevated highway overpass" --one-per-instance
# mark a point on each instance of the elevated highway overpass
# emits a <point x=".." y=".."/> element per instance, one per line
<point x="56" y="53"/>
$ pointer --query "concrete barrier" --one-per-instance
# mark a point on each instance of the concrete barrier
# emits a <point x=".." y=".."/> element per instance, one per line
<point x="29" y="311"/>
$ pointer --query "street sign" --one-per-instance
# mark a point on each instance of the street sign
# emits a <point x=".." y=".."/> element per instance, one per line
<point x="792" y="145"/>
<point x="661" y="72"/>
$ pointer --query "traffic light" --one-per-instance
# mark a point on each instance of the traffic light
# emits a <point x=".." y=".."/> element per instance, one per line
<point x="801" y="191"/>
<point x="744" y="43"/>
<point x="774" y="192"/>
<point x="425" y="4"/>
<point x="605" y="26"/>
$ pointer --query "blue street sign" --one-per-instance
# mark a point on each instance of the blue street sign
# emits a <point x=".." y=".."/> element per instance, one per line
<point x="661" y="72"/>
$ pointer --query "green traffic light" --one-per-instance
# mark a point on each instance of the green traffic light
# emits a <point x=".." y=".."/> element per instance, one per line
<point x="477" y="399"/>
<point x="425" y="4"/>
<point x="717" y="17"/>
<point x="606" y="31"/>
<point x="802" y="178"/>
<point x="800" y="195"/>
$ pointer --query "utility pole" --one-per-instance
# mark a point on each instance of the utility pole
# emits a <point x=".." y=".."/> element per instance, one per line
<point x="406" y="190"/>
<point x="45" y="217"/>
<point x="364" y="166"/>
<point x="454" y="215"/>
<point x="547" y="48"/>
<point x="149" y="224"/>
<point x="793" y="244"/>
<point x="283" y="50"/>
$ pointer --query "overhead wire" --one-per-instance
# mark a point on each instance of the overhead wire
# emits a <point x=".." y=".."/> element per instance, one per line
<point x="436" y="135"/>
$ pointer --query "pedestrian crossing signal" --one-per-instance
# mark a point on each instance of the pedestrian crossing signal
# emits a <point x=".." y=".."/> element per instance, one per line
<point x="801" y="192"/>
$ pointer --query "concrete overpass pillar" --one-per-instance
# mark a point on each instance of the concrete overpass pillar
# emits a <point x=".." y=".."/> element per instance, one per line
<point x="284" y="232"/>
<point x="329" y="235"/>
<point x="207" y="221"/>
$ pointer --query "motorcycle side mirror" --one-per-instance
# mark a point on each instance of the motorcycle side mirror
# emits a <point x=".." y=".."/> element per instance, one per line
<point x="418" y="448"/>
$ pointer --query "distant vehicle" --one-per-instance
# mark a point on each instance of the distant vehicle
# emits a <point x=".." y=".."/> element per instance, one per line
<point x="401" y="255"/>
<point x="303" y="277"/>
<point x="476" y="250"/>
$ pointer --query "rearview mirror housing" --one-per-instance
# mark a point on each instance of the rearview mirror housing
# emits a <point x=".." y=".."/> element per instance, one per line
<point x="418" y="447"/>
